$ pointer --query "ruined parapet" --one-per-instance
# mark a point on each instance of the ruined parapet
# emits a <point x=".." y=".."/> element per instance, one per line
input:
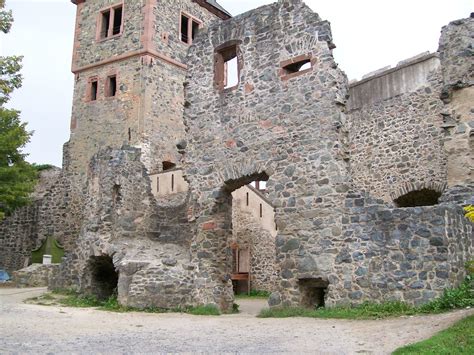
<point x="400" y="254"/>
<point x="457" y="61"/>
<point x="395" y="130"/>
<point x="129" y="243"/>
<point x="279" y="114"/>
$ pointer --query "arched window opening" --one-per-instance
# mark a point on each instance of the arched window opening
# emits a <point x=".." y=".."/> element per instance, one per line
<point x="418" y="198"/>
<point x="167" y="165"/>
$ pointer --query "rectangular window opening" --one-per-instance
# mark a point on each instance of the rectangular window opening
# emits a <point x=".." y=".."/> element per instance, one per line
<point x="189" y="29"/>
<point x="93" y="90"/>
<point x="298" y="66"/>
<point x="195" y="29"/>
<point x="111" y="88"/>
<point x="172" y="182"/>
<point x="184" y="29"/>
<point x="117" y="28"/>
<point x="104" y="31"/>
<point x="247" y="198"/>
<point x="158" y="184"/>
<point x="227" y="68"/>
<point x="261" y="211"/>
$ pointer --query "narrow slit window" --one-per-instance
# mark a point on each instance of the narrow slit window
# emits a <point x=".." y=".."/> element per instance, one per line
<point x="93" y="90"/>
<point x="247" y="198"/>
<point x="172" y="182"/>
<point x="158" y="184"/>
<point x="227" y="68"/>
<point x="111" y="86"/>
<point x="261" y="211"/>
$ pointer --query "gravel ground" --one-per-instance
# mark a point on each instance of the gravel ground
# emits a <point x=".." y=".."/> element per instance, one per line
<point x="26" y="328"/>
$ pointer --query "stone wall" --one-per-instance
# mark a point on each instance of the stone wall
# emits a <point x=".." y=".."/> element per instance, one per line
<point x="148" y="60"/>
<point x="288" y="127"/>
<point x="27" y="228"/>
<point x="147" y="239"/>
<point x="457" y="60"/>
<point x="409" y="254"/>
<point x="395" y="130"/>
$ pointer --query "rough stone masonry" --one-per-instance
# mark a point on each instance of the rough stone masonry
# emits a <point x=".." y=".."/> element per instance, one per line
<point x="367" y="180"/>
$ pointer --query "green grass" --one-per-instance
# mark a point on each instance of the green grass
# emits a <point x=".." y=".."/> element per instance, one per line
<point x="364" y="311"/>
<point x="459" y="339"/>
<point x="460" y="297"/>
<point x="71" y="298"/>
<point x="253" y="294"/>
<point x="208" y="310"/>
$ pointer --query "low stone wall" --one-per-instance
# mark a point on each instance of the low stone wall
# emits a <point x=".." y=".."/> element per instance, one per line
<point x="36" y="275"/>
<point x="405" y="254"/>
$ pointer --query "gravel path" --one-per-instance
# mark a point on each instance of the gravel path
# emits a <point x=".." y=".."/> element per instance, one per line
<point x="26" y="328"/>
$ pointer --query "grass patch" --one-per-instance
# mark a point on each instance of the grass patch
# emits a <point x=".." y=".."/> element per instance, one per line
<point x="457" y="298"/>
<point x="459" y="339"/>
<point x="71" y="298"/>
<point x="207" y="310"/>
<point x="253" y="294"/>
<point x="364" y="311"/>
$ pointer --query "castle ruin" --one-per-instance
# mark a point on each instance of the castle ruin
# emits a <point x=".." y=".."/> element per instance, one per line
<point x="212" y="154"/>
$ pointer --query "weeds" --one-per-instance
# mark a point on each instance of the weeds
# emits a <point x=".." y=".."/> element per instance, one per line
<point x="456" y="298"/>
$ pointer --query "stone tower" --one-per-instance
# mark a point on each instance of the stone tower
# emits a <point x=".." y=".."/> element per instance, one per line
<point x="129" y="66"/>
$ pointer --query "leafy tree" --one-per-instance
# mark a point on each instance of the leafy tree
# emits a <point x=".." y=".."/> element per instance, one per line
<point x="17" y="177"/>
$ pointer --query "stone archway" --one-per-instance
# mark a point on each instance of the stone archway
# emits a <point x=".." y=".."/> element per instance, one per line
<point x="211" y="246"/>
<point x="103" y="277"/>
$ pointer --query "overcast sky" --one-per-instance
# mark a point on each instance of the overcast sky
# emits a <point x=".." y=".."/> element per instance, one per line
<point x="369" y="34"/>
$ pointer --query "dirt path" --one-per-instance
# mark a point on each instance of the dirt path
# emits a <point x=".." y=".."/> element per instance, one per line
<point x="28" y="328"/>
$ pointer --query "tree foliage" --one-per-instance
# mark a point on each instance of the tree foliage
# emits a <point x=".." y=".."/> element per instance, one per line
<point x="17" y="177"/>
<point x="470" y="212"/>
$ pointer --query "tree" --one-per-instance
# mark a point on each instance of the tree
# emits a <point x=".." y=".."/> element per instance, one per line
<point x="17" y="177"/>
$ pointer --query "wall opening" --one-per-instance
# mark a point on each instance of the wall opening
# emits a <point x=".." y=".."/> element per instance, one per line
<point x="298" y="66"/>
<point x="116" y="195"/>
<point x="117" y="21"/>
<point x="313" y="292"/>
<point x="94" y="85"/>
<point x="167" y="165"/>
<point x="189" y="28"/>
<point x="104" y="31"/>
<point x="252" y="238"/>
<point x="111" y="86"/>
<point x="104" y="277"/>
<point x="418" y="198"/>
<point x="227" y="67"/>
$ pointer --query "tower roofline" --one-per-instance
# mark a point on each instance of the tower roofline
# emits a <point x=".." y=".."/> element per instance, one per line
<point x="210" y="5"/>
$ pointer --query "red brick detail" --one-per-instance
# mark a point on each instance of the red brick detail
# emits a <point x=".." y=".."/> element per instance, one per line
<point x="73" y="123"/>
<point x="231" y="143"/>
<point x="211" y="225"/>
<point x="249" y="88"/>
